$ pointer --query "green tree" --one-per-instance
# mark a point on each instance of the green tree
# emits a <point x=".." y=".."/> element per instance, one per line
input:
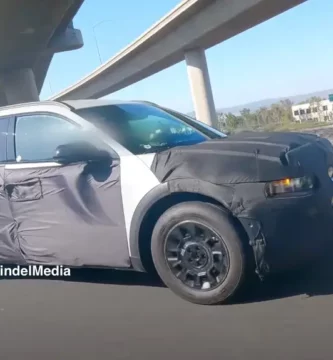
<point x="233" y="121"/>
<point x="250" y="120"/>
<point x="221" y="120"/>
<point x="263" y="116"/>
<point x="276" y="112"/>
<point x="286" y="114"/>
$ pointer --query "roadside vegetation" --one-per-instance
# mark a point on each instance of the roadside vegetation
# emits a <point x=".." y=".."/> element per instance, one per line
<point x="277" y="117"/>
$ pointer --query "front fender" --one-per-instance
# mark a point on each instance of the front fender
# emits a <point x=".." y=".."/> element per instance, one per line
<point x="220" y="193"/>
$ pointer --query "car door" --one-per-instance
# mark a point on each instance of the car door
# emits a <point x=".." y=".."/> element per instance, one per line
<point x="64" y="214"/>
<point x="9" y="246"/>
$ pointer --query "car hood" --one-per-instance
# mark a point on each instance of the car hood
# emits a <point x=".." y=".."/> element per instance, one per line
<point x="245" y="157"/>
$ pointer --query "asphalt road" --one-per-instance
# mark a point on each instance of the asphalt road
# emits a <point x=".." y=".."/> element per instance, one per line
<point x="120" y="315"/>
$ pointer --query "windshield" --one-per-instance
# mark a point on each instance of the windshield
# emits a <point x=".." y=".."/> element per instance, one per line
<point x="207" y="130"/>
<point x="144" y="128"/>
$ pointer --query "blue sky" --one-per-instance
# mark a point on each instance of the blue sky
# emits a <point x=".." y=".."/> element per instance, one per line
<point x="288" y="55"/>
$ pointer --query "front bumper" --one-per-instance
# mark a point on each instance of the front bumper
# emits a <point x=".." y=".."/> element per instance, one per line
<point x="291" y="230"/>
<point x="288" y="232"/>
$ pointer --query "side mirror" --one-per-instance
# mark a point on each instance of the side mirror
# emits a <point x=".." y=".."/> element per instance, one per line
<point x="81" y="152"/>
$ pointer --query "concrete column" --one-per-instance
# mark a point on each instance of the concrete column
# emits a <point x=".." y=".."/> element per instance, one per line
<point x="19" y="86"/>
<point x="201" y="89"/>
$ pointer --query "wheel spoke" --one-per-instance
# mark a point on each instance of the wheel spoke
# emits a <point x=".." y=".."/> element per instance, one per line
<point x="173" y="250"/>
<point x="197" y="282"/>
<point x="210" y="277"/>
<point x="218" y="269"/>
<point x="217" y="246"/>
<point x="172" y="245"/>
<point x="172" y="259"/>
<point x="174" y="262"/>
<point x="190" y="229"/>
<point x="177" y="235"/>
<point x="207" y="236"/>
<point x="215" y="271"/>
<point x="182" y="274"/>
<point x="217" y="253"/>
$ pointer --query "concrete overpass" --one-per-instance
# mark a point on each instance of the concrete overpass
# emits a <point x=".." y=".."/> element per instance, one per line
<point x="185" y="32"/>
<point x="32" y="32"/>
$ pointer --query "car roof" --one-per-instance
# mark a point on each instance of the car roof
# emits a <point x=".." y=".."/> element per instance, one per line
<point x="73" y="104"/>
<point x="93" y="103"/>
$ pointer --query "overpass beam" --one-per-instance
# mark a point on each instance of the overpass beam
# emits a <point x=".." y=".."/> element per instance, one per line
<point x="201" y="90"/>
<point x="19" y="86"/>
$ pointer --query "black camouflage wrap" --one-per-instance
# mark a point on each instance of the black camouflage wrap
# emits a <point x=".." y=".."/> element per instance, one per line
<point x="282" y="231"/>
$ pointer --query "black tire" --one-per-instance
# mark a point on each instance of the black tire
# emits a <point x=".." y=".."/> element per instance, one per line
<point x="217" y="220"/>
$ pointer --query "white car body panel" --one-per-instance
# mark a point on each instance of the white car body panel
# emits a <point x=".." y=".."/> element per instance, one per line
<point x="136" y="181"/>
<point x="147" y="158"/>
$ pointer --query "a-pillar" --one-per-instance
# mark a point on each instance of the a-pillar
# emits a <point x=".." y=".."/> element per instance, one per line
<point x="19" y="86"/>
<point x="201" y="89"/>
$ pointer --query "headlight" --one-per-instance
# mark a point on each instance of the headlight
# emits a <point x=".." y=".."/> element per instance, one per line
<point x="288" y="186"/>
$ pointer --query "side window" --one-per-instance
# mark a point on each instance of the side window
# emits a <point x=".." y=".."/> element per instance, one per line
<point x="3" y="137"/>
<point x="37" y="136"/>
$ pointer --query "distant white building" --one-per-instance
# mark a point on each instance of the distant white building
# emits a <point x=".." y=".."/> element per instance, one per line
<point x="317" y="111"/>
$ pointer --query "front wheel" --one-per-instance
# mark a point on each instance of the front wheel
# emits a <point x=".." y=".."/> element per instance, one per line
<point x="198" y="253"/>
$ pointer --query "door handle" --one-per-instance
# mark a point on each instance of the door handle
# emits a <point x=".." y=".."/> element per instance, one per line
<point x="27" y="190"/>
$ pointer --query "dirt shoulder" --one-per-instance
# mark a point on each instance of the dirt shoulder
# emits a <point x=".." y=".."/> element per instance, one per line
<point x="326" y="132"/>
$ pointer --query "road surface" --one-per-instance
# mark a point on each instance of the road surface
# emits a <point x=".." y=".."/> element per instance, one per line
<point x="121" y="315"/>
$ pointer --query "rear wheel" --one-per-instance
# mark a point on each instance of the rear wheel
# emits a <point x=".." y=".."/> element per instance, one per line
<point x="198" y="253"/>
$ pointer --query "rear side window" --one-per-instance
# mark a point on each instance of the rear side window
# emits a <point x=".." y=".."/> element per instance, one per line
<point x="4" y="122"/>
<point x="38" y="136"/>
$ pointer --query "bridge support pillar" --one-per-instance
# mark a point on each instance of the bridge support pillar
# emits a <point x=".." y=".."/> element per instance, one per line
<point x="19" y="86"/>
<point x="201" y="89"/>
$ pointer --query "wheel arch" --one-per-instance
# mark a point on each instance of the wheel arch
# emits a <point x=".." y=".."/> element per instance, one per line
<point x="158" y="200"/>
